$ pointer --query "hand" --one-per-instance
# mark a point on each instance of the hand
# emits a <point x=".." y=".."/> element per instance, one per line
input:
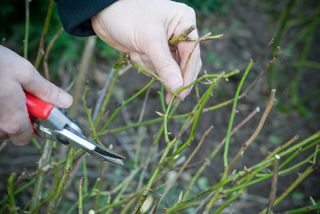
<point x="17" y="75"/>
<point x="142" y="29"/>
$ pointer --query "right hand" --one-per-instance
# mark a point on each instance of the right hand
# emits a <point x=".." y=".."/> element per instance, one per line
<point x="16" y="76"/>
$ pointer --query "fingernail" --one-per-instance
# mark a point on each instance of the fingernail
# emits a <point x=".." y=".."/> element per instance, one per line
<point x="184" y="94"/>
<point x="65" y="99"/>
<point x="168" y="98"/>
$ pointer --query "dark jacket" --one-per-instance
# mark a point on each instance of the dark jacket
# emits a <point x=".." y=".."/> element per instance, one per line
<point x="75" y="14"/>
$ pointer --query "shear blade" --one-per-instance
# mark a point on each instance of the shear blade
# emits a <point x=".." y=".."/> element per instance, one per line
<point x="117" y="161"/>
<point x="91" y="147"/>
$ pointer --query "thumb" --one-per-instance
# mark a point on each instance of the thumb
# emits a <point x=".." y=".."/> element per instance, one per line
<point x="166" y="67"/>
<point x="35" y="84"/>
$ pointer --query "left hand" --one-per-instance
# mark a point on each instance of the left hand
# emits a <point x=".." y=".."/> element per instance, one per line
<point x="142" y="29"/>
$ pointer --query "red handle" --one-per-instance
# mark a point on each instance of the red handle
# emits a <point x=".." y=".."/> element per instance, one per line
<point x="38" y="108"/>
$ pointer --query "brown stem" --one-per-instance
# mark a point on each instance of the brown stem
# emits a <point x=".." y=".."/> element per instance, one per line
<point x="203" y="137"/>
<point x="182" y="37"/>
<point x="84" y="67"/>
<point x="47" y="52"/>
<point x="273" y="192"/>
<point x="44" y="35"/>
<point x="196" y="43"/>
<point x="255" y="133"/>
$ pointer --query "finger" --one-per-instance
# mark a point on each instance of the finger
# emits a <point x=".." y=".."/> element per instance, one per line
<point x="17" y="124"/>
<point x="190" y="77"/>
<point x="35" y="84"/>
<point x="3" y="139"/>
<point x="166" y="67"/>
<point x="190" y="62"/>
<point x="168" y="97"/>
<point x="189" y="52"/>
<point x="2" y="134"/>
<point x="23" y="136"/>
<point x="143" y="61"/>
<point x="104" y="33"/>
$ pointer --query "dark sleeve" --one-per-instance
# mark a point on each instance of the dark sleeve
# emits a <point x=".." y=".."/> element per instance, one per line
<point x="75" y="14"/>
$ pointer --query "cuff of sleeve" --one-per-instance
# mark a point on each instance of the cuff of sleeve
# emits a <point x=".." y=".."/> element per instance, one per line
<point x="75" y="15"/>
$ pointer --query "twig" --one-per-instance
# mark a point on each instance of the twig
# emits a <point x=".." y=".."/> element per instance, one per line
<point x="185" y="164"/>
<point x="106" y="98"/>
<point x="182" y="37"/>
<point x="246" y="172"/>
<point x="203" y="203"/>
<point x="47" y="52"/>
<point x="88" y="112"/>
<point x="315" y="160"/>
<point x="282" y="147"/>
<point x="263" y="72"/>
<point x="202" y="103"/>
<point x="255" y="133"/>
<point x="104" y="90"/>
<point x="165" y="120"/>
<point x="301" y="177"/>
<point x="84" y="67"/>
<point x="152" y="152"/>
<point x="102" y="94"/>
<point x="26" y="31"/>
<point x="164" y="159"/>
<point x="141" y="132"/>
<point x="75" y="167"/>
<point x="228" y="168"/>
<point x="11" y="193"/>
<point x="278" y="34"/>
<point x="114" y="114"/>
<point x="233" y="113"/>
<point x="43" y="161"/>
<point x="306" y="209"/>
<point x="57" y="194"/>
<point x="44" y="33"/>
<point x="274" y="183"/>
<point x="228" y="202"/>
<point x="181" y="116"/>
<point x="80" y="210"/>
<point x="196" y="43"/>
<point x="3" y="145"/>
<point x="217" y="149"/>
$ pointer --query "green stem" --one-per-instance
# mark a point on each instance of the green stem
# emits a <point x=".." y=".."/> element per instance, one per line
<point x="57" y="194"/>
<point x="246" y="172"/>
<point x="301" y="177"/>
<point x="215" y="151"/>
<point x="11" y="193"/>
<point x="114" y="75"/>
<point x="202" y="103"/>
<point x="233" y="113"/>
<point x="165" y="120"/>
<point x="306" y="209"/>
<point x="26" y="31"/>
<point x="281" y="26"/>
<point x="44" y="160"/>
<point x="115" y="113"/>
<point x="44" y="33"/>
<point x="80" y="210"/>
<point x="228" y="202"/>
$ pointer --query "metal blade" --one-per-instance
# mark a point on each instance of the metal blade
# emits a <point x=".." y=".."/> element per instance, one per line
<point x="93" y="148"/>
<point x="117" y="161"/>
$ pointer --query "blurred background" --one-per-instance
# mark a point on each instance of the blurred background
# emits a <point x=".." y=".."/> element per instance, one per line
<point x="248" y="28"/>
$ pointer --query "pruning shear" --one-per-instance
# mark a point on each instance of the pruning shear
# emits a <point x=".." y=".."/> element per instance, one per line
<point x="51" y="123"/>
